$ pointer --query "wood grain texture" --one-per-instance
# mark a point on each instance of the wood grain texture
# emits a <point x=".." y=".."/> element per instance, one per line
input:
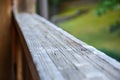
<point x="5" y="40"/>
<point x="57" y="55"/>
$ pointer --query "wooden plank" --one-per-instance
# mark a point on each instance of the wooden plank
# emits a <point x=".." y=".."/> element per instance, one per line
<point x="88" y="47"/>
<point x="58" y="55"/>
<point x="91" y="56"/>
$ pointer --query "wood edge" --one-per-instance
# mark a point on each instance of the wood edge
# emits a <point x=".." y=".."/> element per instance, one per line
<point x="28" y="56"/>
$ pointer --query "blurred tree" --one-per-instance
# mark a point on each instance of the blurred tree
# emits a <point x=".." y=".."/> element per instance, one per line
<point x="115" y="28"/>
<point x="54" y="6"/>
<point x="105" y="5"/>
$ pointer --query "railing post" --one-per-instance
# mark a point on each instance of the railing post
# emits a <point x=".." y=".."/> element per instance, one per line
<point x="42" y="8"/>
<point x="5" y="40"/>
<point x="25" y="5"/>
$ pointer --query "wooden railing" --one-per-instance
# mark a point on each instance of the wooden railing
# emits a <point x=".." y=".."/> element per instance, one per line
<point x="46" y="52"/>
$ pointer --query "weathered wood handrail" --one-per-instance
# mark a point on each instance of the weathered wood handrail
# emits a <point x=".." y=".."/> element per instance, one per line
<point x="50" y="53"/>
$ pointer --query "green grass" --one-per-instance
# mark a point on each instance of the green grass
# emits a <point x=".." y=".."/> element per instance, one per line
<point x="94" y="30"/>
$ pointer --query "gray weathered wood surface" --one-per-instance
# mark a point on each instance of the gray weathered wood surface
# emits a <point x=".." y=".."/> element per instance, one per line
<point x="57" y="55"/>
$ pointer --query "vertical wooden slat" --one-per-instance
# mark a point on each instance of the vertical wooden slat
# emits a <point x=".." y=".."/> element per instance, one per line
<point x="19" y="61"/>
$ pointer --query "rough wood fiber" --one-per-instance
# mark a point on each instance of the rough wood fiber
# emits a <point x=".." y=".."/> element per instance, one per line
<point x="57" y="55"/>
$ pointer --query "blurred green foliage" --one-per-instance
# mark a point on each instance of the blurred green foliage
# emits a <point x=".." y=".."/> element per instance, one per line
<point x="96" y="31"/>
<point x="109" y="5"/>
<point x="115" y="28"/>
<point x="54" y="2"/>
<point x="54" y="6"/>
<point x="51" y="2"/>
<point x="105" y="5"/>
